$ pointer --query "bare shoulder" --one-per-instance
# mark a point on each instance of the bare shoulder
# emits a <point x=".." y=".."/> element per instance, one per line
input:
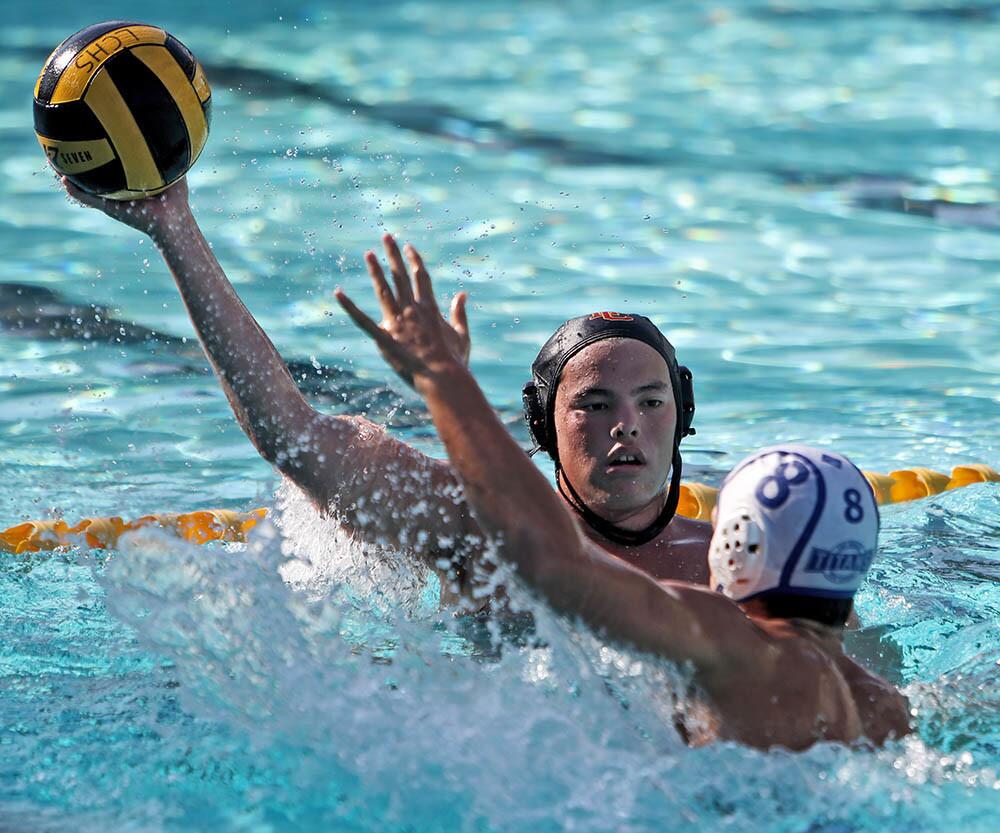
<point x="741" y="649"/>
<point x="884" y="711"/>
<point x="800" y="689"/>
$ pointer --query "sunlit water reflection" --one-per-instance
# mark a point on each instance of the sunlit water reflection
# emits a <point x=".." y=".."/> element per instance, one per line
<point x="803" y="196"/>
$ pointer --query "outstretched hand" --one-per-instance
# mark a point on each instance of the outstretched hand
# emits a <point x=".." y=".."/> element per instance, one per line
<point x="413" y="337"/>
<point x="145" y="214"/>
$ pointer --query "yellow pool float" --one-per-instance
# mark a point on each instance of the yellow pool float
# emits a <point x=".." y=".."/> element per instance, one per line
<point x="696" y="501"/>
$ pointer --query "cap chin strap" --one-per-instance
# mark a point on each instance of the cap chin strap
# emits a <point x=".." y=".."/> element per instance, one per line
<point x="613" y="532"/>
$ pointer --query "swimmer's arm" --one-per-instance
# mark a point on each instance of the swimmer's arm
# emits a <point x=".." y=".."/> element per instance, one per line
<point x="339" y="461"/>
<point x="888" y="715"/>
<point x="531" y="527"/>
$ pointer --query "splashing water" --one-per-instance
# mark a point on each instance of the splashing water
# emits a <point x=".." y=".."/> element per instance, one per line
<point x="801" y="193"/>
<point x="253" y="702"/>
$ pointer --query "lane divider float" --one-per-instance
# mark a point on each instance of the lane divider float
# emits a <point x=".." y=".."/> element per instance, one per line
<point x="696" y="501"/>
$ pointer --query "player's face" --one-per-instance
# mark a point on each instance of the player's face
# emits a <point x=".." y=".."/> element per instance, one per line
<point x="615" y="418"/>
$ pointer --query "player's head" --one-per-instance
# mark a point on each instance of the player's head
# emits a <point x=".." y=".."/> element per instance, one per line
<point x="795" y="528"/>
<point x="609" y="403"/>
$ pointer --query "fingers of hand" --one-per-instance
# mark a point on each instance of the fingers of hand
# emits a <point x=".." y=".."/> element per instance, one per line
<point x="390" y="309"/>
<point x="399" y="276"/>
<point x="395" y="353"/>
<point x="78" y="195"/>
<point x="421" y="278"/>
<point x="380" y="336"/>
<point x="459" y="318"/>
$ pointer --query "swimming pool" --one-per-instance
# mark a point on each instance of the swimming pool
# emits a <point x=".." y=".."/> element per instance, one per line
<point x="737" y="172"/>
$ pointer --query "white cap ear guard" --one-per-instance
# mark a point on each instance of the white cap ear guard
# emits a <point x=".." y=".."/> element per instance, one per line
<point x="793" y="519"/>
<point x="736" y="554"/>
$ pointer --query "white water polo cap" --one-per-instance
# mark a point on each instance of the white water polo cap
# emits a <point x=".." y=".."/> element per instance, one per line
<point x="793" y="519"/>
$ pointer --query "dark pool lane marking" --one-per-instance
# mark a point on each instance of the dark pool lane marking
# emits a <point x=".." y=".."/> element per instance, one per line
<point x="38" y="312"/>
<point x="494" y="135"/>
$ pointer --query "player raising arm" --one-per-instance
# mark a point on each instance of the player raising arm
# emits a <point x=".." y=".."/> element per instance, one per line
<point x="795" y="534"/>
<point x="611" y="406"/>
<point x="347" y="465"/>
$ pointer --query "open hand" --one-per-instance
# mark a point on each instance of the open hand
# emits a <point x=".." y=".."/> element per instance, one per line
<point x="146" y="214"/>
<point x="413" y="337"/>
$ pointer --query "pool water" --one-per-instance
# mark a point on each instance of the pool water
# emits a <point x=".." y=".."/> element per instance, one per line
<point x="802" y="194"/>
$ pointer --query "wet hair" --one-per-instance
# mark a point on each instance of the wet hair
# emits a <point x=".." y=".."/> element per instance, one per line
<point x="832" y="612"/>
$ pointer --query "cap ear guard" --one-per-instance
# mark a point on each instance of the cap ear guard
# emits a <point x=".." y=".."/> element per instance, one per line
<point x="736" y="555"/>
<point x="534" y="415"/>
<point x="686" y="400"/>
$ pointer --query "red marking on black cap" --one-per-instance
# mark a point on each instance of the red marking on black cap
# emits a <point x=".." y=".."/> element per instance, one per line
<point x="611" y="316"/>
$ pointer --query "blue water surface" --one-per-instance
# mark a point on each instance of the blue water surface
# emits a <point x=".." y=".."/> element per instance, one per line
<point x="802" y="194"/>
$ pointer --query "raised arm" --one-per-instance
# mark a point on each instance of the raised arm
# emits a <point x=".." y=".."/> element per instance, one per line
<point x="520" y="512"/>
<point x="339" y="461"/>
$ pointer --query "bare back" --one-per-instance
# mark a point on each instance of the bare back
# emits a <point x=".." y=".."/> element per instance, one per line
<point x="806" y="690"/>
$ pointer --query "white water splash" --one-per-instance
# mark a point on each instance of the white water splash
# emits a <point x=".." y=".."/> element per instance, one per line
<point x="374" y="720"/>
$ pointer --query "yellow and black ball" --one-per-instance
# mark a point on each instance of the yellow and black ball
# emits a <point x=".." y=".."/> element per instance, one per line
<point x="122" y="109"/>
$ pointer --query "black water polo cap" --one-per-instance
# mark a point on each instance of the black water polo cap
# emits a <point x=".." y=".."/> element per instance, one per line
<point x="538" y="395"/>
<point x="539" y="398"/>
